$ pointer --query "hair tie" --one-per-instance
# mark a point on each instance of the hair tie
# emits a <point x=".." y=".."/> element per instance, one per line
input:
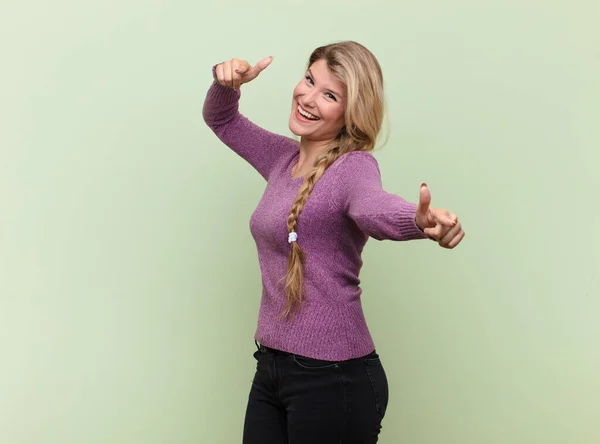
<point x="292" y="237"/>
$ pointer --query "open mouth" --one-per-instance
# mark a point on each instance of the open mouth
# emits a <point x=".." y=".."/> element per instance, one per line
<point x="304" y="115"/>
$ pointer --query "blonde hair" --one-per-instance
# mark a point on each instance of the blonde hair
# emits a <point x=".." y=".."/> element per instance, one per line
<point x="358" y="69"/>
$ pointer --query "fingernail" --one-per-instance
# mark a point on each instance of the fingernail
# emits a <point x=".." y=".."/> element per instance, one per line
<point x="423" y="184"/>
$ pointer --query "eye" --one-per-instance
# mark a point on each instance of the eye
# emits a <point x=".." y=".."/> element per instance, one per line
<point x="307" y="77"/>
<point x="332" y="96"/>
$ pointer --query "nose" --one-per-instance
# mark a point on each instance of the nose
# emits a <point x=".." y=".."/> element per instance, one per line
<point x="309" y="98"/>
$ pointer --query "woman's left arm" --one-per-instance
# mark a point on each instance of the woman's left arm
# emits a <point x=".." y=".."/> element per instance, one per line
<point x="383" y="215"/>
<point x="377" y="213"/>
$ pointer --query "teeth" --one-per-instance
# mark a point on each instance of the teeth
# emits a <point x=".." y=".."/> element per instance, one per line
<point x="306" y="114"/>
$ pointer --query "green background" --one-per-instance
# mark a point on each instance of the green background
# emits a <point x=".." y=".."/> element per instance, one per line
<point x="129" y="281"/>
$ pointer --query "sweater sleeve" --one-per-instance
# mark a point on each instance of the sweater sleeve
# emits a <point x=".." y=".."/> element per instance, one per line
<point x="379" y="214"/>
<point x="259" y="147"/>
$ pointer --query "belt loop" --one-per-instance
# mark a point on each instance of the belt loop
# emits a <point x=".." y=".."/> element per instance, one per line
<point x="257" y="346"/>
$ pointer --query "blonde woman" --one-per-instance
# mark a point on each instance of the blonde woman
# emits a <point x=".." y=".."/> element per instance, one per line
<point x="319" y="379"/>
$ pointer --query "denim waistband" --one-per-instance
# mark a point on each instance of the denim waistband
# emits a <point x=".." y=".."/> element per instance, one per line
<point x="264" y="348"/>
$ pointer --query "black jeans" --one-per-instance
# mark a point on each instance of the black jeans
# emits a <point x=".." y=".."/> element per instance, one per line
<point x="299" y="400"/>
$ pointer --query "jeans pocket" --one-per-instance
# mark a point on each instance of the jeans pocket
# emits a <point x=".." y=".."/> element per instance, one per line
<point x="379" y="382"/>
<point x="313" y="364"/>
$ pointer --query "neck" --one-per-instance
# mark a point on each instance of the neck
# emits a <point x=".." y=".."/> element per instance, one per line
<point x="309" y="151"/>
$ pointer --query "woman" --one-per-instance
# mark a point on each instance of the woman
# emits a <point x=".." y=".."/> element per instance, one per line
<point x="319" y="379"/>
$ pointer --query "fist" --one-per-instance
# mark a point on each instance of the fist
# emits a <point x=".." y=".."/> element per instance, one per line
<point x="437" y="223"/>
<point x="235" y="72"/>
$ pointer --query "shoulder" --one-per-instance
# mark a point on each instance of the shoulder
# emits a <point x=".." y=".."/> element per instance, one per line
<point x="356" y="163"/>
<point x="356" y="175"/>
<point x="291" y="142"/>
<point x="287" y="146"/>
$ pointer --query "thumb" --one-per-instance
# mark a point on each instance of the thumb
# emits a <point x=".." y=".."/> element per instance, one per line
<point x="257" y="69"/>
<point x="423" y="209"/>
<point x="424" y="200"/>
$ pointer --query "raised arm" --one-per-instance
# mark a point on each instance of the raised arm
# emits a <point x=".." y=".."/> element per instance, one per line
<point x="259" y="147"/>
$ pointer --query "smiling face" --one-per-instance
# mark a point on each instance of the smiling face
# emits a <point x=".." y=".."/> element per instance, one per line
<point x="318" y="104"/>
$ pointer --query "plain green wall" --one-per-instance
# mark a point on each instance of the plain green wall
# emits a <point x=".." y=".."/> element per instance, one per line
<point x="129" y="281"/>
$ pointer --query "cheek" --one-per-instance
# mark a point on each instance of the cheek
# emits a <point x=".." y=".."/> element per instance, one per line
<point x="298" y="90"/>
<point x="333" y="112"/>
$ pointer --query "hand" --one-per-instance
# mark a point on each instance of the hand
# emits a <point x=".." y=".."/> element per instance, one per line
<point x="233" y="73"/>
<point x="437" y="223"/>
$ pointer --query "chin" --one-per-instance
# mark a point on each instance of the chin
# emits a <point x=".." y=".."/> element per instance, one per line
<point x="295" y="129"/>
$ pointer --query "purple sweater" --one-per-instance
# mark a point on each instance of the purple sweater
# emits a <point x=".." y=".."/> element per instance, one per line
<point x="346" y="206"/>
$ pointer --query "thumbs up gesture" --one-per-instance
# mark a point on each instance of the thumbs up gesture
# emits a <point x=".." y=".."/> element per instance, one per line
<point x="437" y="223"/>
<point x="235" y="72"/>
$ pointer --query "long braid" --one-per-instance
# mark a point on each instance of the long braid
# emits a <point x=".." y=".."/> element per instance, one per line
<point x="294" y="286"/>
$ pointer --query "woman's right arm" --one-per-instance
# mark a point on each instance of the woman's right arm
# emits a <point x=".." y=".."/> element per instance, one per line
<point x="259" y="147"/>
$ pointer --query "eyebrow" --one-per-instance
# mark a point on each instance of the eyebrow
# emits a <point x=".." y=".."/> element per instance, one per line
<point x="330" y="90"/>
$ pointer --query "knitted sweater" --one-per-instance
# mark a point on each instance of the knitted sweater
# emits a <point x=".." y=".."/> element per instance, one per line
<point x="346" y="206"/>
